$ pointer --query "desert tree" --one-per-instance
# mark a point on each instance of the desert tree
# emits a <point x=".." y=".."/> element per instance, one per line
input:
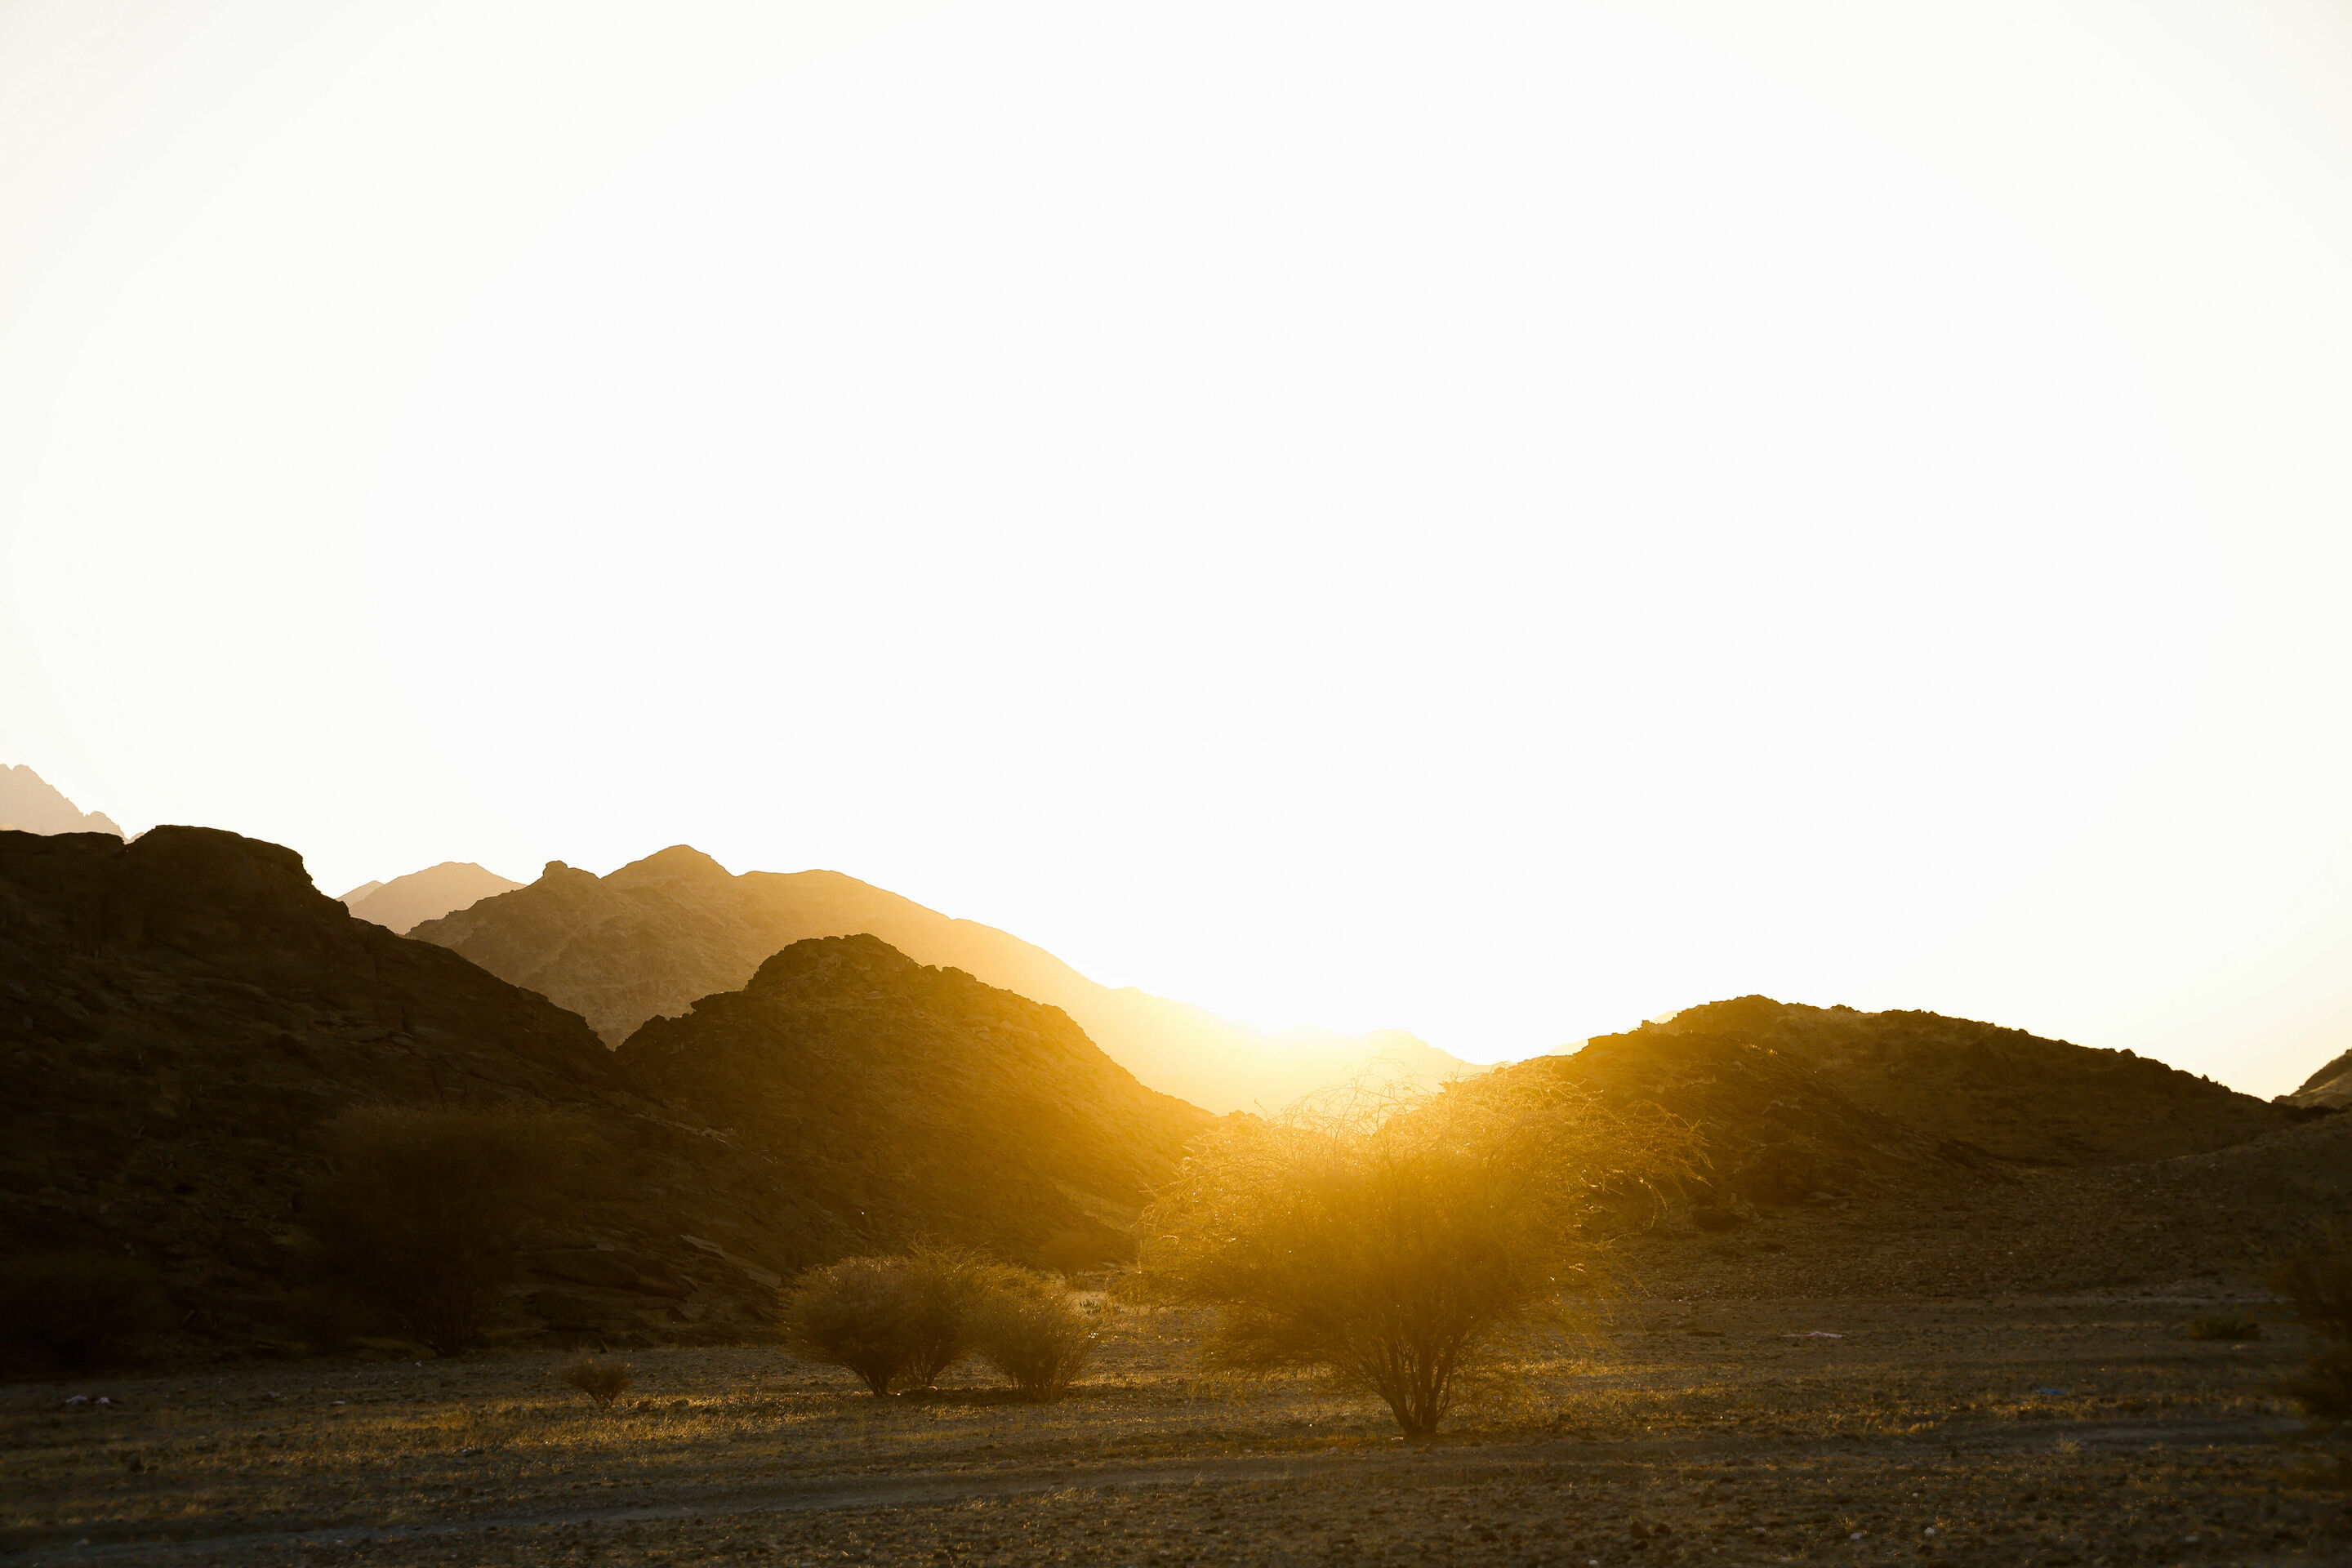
<point x="425" y="1209"/>
<point x="1411" y="1246"/>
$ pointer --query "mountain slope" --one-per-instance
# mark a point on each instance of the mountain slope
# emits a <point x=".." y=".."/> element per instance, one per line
<point x="427" y="895"/>
<point x="647" y="940"/>
<point x="896" y="1087"/>
<point x="30" y="804"/>
<point x="179" y="1015"/>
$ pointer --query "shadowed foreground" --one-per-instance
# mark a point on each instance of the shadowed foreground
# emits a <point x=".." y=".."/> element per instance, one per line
<point x="2052" y="1431"/>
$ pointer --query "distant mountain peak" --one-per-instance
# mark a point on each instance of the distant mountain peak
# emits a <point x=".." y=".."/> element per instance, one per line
<point x="405" y="902"/>
<point x="30" y="804"/>
<point x="679" y="863"/>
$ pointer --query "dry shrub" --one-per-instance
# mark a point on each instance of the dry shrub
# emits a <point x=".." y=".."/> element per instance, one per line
<point x="894" y="1321"/>
<point x="851" y="1314"/>
<point x="73" y="1311"/>
<point x="602" y="1381"/>
<point x="899" y="1323"/>
<point x="1031" y="1331"/>
<point x="944" y="1285"/>
<point x="2316" y="1280"/>
<point x="1413" y="1247"/>
<point x="424" y="1208"/>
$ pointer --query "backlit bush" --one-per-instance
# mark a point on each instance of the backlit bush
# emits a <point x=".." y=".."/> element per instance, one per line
<point x="1031" y="1331"/>
<point x="1409" y="1246"/>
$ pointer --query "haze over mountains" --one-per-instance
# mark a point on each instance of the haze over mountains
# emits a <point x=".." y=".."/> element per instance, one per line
<point x="427" y="895"/>
<point x="647" y="940"/>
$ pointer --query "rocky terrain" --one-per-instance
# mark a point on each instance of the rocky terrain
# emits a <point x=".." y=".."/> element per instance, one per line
<point x="181" y="1014"/>
<point x="427" y="895"/>
<point x="652" y="937"/>
<point x="2048" y="1433"/>
<point x="30" y="804"/>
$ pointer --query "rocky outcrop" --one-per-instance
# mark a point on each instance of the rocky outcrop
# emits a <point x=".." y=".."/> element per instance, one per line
<point x="178" y="1016"/>
<point x="30" y="804"/>
<point x="647" y="940"/>
<point x="427" y="895"/>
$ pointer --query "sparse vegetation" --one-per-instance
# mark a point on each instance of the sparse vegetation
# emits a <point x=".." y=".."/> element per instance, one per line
<point x="600" y="1378"/>
<point x="72" y="1312"/>
<point x="1409" y="1247"/>
<point x="899" y="1323"/>
<point x="1030" y="1330"/>
<point x="424" y="1207"/>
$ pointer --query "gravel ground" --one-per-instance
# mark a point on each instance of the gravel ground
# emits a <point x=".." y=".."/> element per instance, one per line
<point x="2046" y="1432"/>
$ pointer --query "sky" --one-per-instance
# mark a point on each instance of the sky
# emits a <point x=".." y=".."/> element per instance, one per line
<point x="1499" y="520"/>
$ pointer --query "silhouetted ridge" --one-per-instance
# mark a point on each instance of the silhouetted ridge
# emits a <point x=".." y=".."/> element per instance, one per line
<point x="647" y="940"/>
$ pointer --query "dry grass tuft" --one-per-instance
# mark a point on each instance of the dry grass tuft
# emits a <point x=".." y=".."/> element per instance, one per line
<point x="602" y="1381"/>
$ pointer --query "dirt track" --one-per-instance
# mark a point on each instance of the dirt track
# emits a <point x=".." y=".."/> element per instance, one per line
<point x="1684" y="1433"/>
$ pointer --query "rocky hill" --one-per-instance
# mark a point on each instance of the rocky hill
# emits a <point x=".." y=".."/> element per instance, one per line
<point x="427" y="895"/>
<point x="650" y="937"/>
<point x="894" y="1088"/>
<point x="2013" y="1095"/>
<point x="1901" y="1152"/>
<point x="179" y="1016"/>
<point x="30" y="804"/>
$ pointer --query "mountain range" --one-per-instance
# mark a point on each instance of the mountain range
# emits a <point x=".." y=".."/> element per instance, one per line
<point x="182" y="1014"/>
<point x="647" y="940"/>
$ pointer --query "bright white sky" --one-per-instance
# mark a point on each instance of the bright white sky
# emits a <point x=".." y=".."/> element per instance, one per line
<point x="1497" y="521"/>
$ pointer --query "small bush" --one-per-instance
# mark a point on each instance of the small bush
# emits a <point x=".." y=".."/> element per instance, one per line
<point x="944" y="1285"/>
<point x="2222" y="1326"/>
<point x="602" y="1381"/>
<point x="73" y="1311"/>
<point x="1029" y="1330"/>
<point x="858" y="1314"/>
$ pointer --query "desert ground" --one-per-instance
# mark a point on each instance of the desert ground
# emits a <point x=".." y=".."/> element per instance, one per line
<point x="2055" y="1430"/>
